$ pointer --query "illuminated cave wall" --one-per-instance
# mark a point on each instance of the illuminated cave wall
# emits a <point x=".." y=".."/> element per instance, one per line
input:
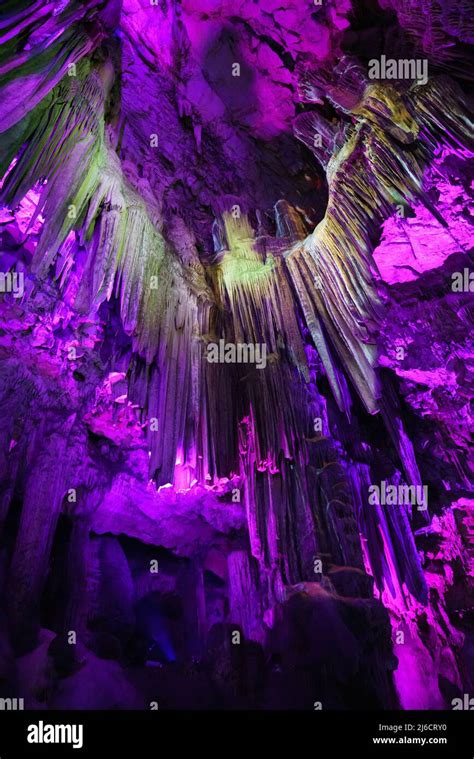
<point x="236" y="354"/>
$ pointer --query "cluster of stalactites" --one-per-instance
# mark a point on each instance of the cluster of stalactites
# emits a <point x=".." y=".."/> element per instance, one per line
<point x="69" y="147"/>
<point x="436" y="29"/>
<point x="370" y="174"/>
<point x="218" y="420"/>
<point x="38" y="48"/>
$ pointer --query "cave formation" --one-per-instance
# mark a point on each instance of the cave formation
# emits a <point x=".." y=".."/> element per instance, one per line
<point x="217" y="533"/>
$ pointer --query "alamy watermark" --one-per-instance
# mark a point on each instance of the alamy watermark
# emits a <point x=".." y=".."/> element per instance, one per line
<point x="402" y="68"/>
<point x="462" y="281"/>
<point x="237" y="353"/>
<point x="12" y="704"/>
<point x="466" y="703"/>
<point x="12" y="282"/>
<point x="403" y="495"/>
<point x="45" y="733"/>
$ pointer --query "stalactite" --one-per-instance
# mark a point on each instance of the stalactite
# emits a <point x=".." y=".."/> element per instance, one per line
<point x="39" y="516"/>
<point x="244" y="596"/>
